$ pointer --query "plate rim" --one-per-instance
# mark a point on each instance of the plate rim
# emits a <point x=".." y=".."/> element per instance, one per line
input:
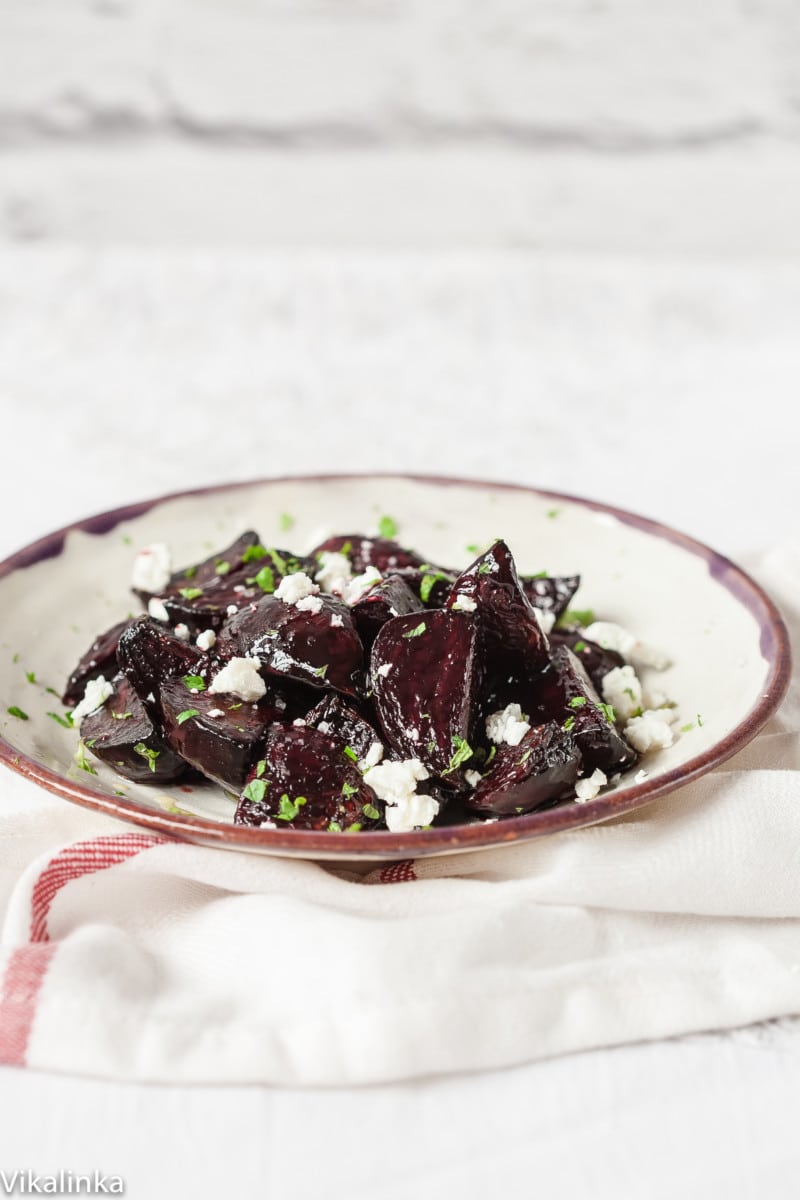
<point x="378" y="845"/>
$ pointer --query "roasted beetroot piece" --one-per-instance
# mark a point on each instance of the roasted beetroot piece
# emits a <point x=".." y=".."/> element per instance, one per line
<point x="390" y="598"/>
<point x="319" y="647"/>
<point x="362" y="552"/>
<point x="552" y="593"/>
<point x="512" y="635"/>
<point x="99" y="659"/>
<point x="149" y="655"/>
<point x="431" y="584"/>
<point x="220" y="735"/>
<point x="122" y="735"/>
<point x="306" y="780"/>
<point x="596" y="660"/>
<point x="565" y="694"/>
<point x="425" y="678"/>
<point x="334" y="716"/>
<point x="537" y="772"/>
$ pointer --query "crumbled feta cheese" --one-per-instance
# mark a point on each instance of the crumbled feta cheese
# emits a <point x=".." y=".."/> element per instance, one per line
<point x="384" y="669"/>
<point x="465" y="604"/>
<point x="412" y="735"/>
<point x="507" y="725"/>
<point x="589" y="787"/>
<point x="396" y="784"/>
<point x="299" y="722"/>
<point x="335" y="572"/>
<point x="361" y="584"/>
<point x="546" y="619"/>
<point x="611" y="636"/>
<point x="152" y="568"/>
<point x="240" y="677"/>
<point x="337" y="620"/>
<point x="182" y="631"/>
<point x="372" y="757"/>
<point x="640" y="776"/>
<point x="215" y="712"/>
<point x="623" y="691"/>
<point x="95" y="695"/>
<point x="206" y="639"/>
<point x="156" y="609"/>
<point x="324" y="727"/>
<point x="295" y="587"/>
<point x="650" y="731"/>
<point x="473" y="778"/>
<point x="312" y="604"/>
<point x="231" y="610"/>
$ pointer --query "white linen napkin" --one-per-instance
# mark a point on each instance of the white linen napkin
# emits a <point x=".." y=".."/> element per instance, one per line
<point x="131" y="957"/>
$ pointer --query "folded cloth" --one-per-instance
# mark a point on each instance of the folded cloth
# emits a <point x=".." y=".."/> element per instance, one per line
<point x="128" y="956"/>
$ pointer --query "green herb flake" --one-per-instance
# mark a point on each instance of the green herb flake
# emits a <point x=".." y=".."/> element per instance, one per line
<point x="126" y="716"/>
<point x="552" y="513"/>
<point x="462" y="752"/>
<point x="13" y="711"/>
<point x="30" y="676"/>
<point x="279" y="563"/>
<point x="288" y="809"/>
<point x="350" y="753"/>
<point x="687" y="728"/>
<point x="485" y="569"/>
<point x="472" y="548"/>
<point x="127" y="539"/>
<point x="576" y="616"/>
<point x="629" y="692"/>
<point x="580" y="647"/>
<point x="416" y="631"/>
<point x="187" y="714"/>
<point x="148" y="754"/>
<point x="608" y="712"/>
<point x="82" y="761"/>
<point x="222" y="567"/>
<point x="51" y="691"/>
<point x="492" y="753"/>
<point x="427" y="585"/>
<point x="195" y="683"/>
<point x="286" y="521"/>
<point x="254" y="553"/>
<point x="348" y="789"/>
<point x="538" y="575"/>
<point x="354" y="828"/>
<point x="265" y="580"/>
<point x="191" y="593"/>
<point x="699" y="720"/>
<point x="322" y="671"/>
<point x="521" y="762"/>
<point x="261" y="767"/>
<point x="256" y="790"/>
<point x="65" y="722"/>
<point x="190" y="573"/>
<point x="568" y="724"/>
<point x="371" y="812"/>
<point x="334" y="827"/>
<point x="577" y="702"/>
<point x="387" y="527"/>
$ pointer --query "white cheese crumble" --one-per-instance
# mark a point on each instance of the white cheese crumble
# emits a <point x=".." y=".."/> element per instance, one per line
<point x="334" y="572"/>
<point x="324" y="727"/>
<point x="215" y="712"/>
<point x="465" y="604"/>
<point x="640" y="776"/>
<point x="372" y="757"/>
<point x="206" y="639"/>
<point x="95" y="695"/>
<point x="311" y="604"/>
<point x="384" y="669"/>
<point x="156" y="609"/>
<point x="299" y="723"/>
<point x="337" y="620"/>
<point x="181" y="631"/>
<point x="650" y="731"/>
<point x="231" y="610"/>
<point x="589" y="787"/>
<point x="473" y="778"/>
<point x="396" y="784"/>
<point x="623" y="691"/>
<point x="361" y="584"/>
<point x="546" y="619"/>
<point x="152" y="568"/>
<point x="240" y="677"/>
<point x="295" y="587"/>
<point x="611" y="636"/>
<point x="507" y="725"/>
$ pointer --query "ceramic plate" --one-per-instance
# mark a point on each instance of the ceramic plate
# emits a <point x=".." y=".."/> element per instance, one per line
<point x="727" y="645"/>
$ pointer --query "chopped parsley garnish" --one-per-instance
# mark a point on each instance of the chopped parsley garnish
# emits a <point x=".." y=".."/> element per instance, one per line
<point x="629" y="692"/>
<point x="15" y="658"/>
<point x="82" y="761"/>
<point x="186" y="714"/>
<point x="265" y="580"/>
<point x="521" y="762"/>
<point x="254" y="553"/>
<point x="427" y="584"/>
<point x="347" y="549"/>
<point x="14" y="711"/>
<point x="608" y="712"/>
<point x="288" y="808"/>
<point x="687" y="728"/>
<point x="195" y="683"/>
<point x="699" y="719"/>
<point x="580" y="646"/>
<point x="576" y="616"/>
<point x="350" y="753"/>
<point x="485" y="569"/>
<point x="334" y="827"/>
<point x="148" y="754"/>
<point x="370" y="811"/>
<point x="286" y="521"/>
<point x="492" y="753"/>
<point x="191" y="593"/>
<point x="222" y="567"/>
<point x="322" y="671"/>
<point x="256" y="790"/>
<point x="354" y="828"/>
<point x="66" y="721"/>
<point x="30" y="676"/>
<point x="577" y="702"/>
<point x="539" y="575"/>
<point x="51" y="691"/>
<point x="190" y="572"/>
<point x="472" y="548"/>
<point x="416" y="631"/>
<point x="462" y="751"/>
<point x="348" y="789"/>
<point x="553" y="512"/>
<point x="126" y="716"/>
<point x="387" y="527"/>
<point x="279" y="562"/>
<point x="261" y="767"/>
<point x="568" y="724"/>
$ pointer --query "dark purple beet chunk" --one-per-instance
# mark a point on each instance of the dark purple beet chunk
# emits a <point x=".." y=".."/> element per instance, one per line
<point x="221" y="747"/>
<point x="431" y="584"/>
<point x="99" y="659"/>
<point x="122" y="735"/>
<point x="304" y="780"/>
<point x="334" y="716"/>
<point x="210" y="570"/>
<point x="149" y="654"/>
<point x="541" y="769"/>
<point x="390" y="598"/>
<point x="321" y="649"/>
<point x="382" y="553"/>
<point x="550" y="592"/>
<point x="426" y="698"/>
<point x="510" y="628"/>
<point x="596" y="660"/>
<point x="565" y="694"/>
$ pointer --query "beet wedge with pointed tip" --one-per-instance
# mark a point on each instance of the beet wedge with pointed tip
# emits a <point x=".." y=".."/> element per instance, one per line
<point x="122" y="735"/>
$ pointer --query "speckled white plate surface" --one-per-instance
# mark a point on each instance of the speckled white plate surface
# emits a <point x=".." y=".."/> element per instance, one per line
<point x="727" y="645"/>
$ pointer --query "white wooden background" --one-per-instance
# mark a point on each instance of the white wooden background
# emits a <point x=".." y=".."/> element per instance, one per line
<point x="620" y="124"/>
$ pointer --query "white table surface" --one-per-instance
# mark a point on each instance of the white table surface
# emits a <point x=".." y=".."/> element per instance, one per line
<point x="667" y="387"/>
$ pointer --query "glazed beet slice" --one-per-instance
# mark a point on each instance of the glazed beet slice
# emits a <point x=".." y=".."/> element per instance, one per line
<point x="565" y="694"/>
<point x="208" y="607"/>
<point x="321" y="649"/>
<point x="390" y="598"/>
<point x="224" y="746"/>
<point x="596" y="660"/>
<point x="149" y="655"/>
<point x="542" y="768"/>
<point x="382" y="553"/>
<point x="334" y="716"/>
<point x="552" y="593"/>
<point x="122" y="735"/>
<point x="425" y="677"/>
<point x="99" y="659"/>
<point x="219" y="565"/>
<point x="511" y="631"/>
<point x="304" y="780"/>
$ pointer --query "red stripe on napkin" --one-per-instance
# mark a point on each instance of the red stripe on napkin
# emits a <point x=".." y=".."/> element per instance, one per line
<point x="26" y="969"/>
<point x="399" y="872"/>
